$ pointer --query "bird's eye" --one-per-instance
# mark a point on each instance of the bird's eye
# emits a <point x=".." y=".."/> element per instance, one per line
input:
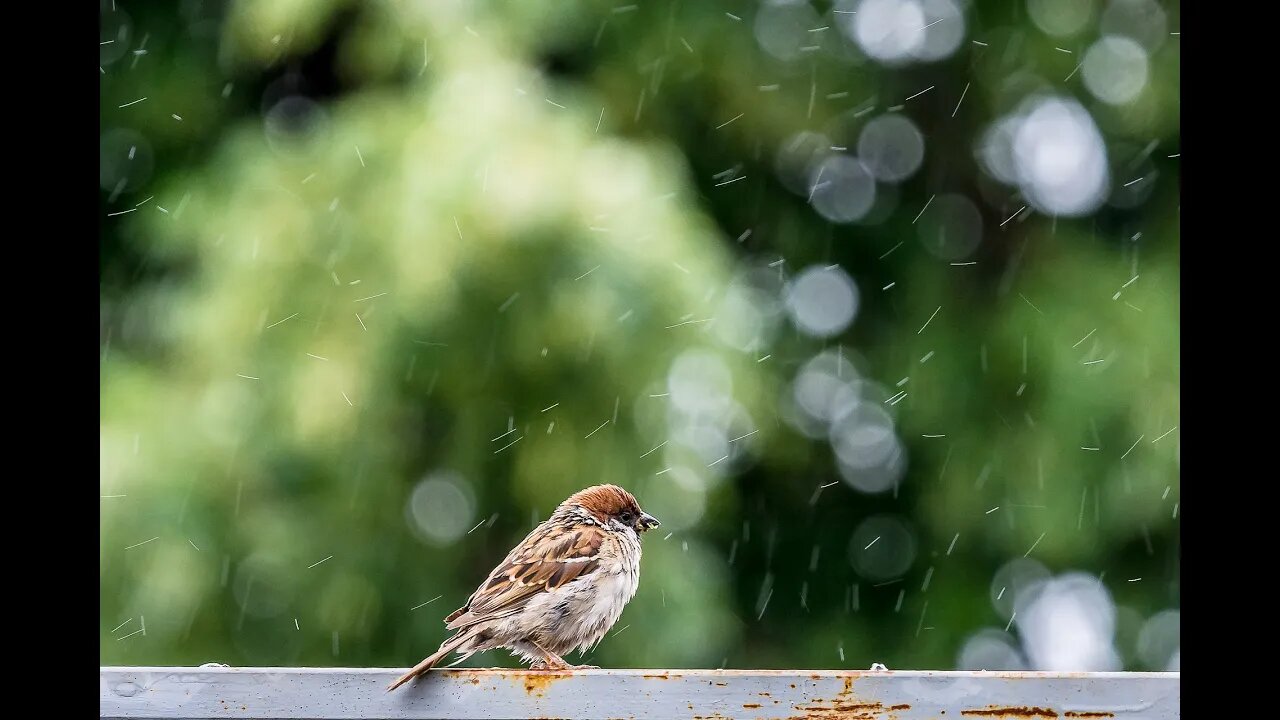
<point x="626" y="517"/>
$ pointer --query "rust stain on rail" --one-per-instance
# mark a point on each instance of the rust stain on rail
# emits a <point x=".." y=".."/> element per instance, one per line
<point x="846" y="706"/>
<point x="535" y="682"/>
<point x="841" y="710"/>
<point x="1012" y="712"/>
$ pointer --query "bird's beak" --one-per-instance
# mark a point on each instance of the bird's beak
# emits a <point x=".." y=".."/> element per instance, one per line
<point x="648" y="522"/>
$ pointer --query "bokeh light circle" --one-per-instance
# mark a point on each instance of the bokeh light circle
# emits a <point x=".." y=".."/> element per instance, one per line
<point x="797" y="156"/>
<point x="882" y="548"/>
<point x="822" y="301"/>
<point x="863" y="437"/>
<point x="1115" y="69"/>
<point x="842" y="189"/>
<point x="747" y="315"/>
<point x="1060" y="18"/>
<point x="950" y="227"/>
<point x="943" y="30"/>
<point x="1061" y="159"/>
<point x="1160" y="639"/>
<point x="891" y="148"/>
<point x="995" y="150"/>
<point x="1068" y="625"/>
<point x="1014" y="579"/>
<point x="877" y="478"/>
<point x="990" y="649"/>
<point x="825" y="387"/>
<point x="1143" y="20"/>
<point x="441" y="508"/>
<point x="722" y="443"/>
<point x="783" y="29"/>
<point x="890" y="31"/>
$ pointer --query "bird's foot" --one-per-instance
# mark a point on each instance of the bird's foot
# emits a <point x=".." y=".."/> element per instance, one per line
<point x="540" y="665"/>
<point x="549" y="660"/>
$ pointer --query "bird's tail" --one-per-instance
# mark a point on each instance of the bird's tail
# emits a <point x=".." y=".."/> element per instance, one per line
<point x="430" y="661"/>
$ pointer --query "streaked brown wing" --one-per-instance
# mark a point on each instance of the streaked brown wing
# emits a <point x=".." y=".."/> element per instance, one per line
<point x="549" y="557"/>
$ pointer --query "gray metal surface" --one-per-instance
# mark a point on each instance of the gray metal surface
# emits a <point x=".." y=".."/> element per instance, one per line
<point x="325" y="693"/>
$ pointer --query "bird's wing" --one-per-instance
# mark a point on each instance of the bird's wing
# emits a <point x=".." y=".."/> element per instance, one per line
<point x="551" y="556"/>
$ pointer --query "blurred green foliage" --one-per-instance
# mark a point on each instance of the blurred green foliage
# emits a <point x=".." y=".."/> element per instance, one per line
<point x="493" y="217"/>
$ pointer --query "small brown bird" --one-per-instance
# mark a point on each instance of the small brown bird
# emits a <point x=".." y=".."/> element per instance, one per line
<point x="560" y="589"/>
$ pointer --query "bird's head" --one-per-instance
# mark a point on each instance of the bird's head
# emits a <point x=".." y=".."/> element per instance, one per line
<point x="614" y="507"/>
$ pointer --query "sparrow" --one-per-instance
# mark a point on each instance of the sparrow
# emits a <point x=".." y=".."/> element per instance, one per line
<point x="560" y="589"/>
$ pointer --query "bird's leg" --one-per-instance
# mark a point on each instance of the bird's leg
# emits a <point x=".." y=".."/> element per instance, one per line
<point x="550" y="660"/>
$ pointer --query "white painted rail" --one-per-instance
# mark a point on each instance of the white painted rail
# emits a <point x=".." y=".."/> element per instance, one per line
<point x="341" y="693"/>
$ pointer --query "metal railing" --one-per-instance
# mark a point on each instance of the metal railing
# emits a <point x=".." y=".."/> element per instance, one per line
<point x="340" y="693"/>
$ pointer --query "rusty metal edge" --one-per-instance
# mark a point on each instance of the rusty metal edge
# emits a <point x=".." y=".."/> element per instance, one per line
<point x="332" y="693"/>
<point x="727" y="672"/>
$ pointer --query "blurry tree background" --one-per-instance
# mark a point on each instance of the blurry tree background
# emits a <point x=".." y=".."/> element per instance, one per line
<point x="873" y="304"/>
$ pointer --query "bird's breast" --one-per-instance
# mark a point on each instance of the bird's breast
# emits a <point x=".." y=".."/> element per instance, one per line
<point x="597" y="602"/>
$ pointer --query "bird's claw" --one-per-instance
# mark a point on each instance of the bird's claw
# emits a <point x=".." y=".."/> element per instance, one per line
<point x="559" y="667"/>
